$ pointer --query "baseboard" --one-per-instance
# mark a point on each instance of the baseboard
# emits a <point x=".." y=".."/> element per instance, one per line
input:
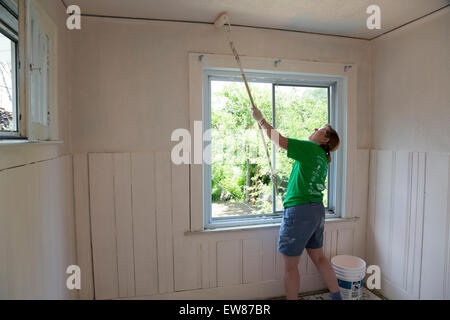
<point x="254" y="291"/>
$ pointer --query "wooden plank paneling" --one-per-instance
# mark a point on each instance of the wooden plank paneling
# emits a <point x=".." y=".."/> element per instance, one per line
<point x="187" y="253"/>
<point x="213" y="261"/>
<point x="17" y="195"/>
<point x="4" y="292"/>
<point x="446" y="282"/>
<point x="435" y="228"/>
<point x="36" y="230"/>
<point x="334" y="242"/>
<point x="150" y="210"/>
<point x="269" y="255"/>
<point x="400" y="220"/>
<point x="124" y="224"/>
<point x="279" y="266"/>
<point x="408" y="226"/>
<point x="383" y="210"/>
<point x="70" y="257"/>
<point x="144" y="223"/>
<point x="209" y="263"/>
<point x="360" y="199"/>
<point x="83" y="224"/>
<point x="60" y="212"/>
<point x="417" y="194"/>
<point x="163" y="180"/>
<point x="345" y="240"/>
<point x="371" y="208"/>
<point x="229" y="263"/>
<point x="40" y="204"/>
<point x="204" y="270"/>
<point x="103" y="222"/>
<point x="252" y="260"/>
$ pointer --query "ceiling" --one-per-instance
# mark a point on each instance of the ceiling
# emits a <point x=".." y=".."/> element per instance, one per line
<point x="334" y="17"/>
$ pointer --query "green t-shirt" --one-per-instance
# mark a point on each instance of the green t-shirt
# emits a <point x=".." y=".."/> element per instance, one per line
<point x="307" y="180"/>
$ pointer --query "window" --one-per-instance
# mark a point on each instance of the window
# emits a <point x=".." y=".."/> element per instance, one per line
<point x="9" y="39"/>
<point x="238" y="188"/>
<point x="27" y="72"/>
<point x="340" y="80"/>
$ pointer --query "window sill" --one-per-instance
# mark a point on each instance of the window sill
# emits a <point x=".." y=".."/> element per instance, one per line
<point x="20" y="142"/>
<point x="261" y="226"/>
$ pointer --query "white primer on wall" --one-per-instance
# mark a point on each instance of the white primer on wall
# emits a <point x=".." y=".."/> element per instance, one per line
<point x="409" y="212"/>
<point x="37" y="226"/>
<point x="137" y="91"/>
<point x="136" y="94"/>
<point x="37" y="230"/>
<point x="168" y="262"/>
<point x="411" y="84"/>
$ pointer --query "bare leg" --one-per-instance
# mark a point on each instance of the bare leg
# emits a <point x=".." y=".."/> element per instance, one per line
<point x="325" y="268"/>
<point x="291" y="277"/>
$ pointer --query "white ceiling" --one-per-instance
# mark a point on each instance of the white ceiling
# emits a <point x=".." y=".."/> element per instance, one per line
<point x="336" y="17"/>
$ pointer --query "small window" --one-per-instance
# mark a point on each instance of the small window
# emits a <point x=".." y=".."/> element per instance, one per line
<point x="238" y="176"/>
<point x="9" y="39"/>
<point x="27" y="51"/>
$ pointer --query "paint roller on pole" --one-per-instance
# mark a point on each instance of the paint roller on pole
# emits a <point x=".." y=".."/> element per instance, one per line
<point x="223" y="20"/>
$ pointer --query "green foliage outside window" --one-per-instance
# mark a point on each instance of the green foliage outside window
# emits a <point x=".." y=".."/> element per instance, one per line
<point x="240" y="172"/>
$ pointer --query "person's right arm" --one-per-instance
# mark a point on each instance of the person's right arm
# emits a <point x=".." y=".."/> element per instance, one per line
<point x="272" y="133"/>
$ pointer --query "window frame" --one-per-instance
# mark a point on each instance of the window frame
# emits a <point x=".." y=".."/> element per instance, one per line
<point x="10" y="32"/>
<point x="27" y="130"/>
<point x="275" y="79"/>
<point x="346" y="120"/>
<point x="36" y="130"/>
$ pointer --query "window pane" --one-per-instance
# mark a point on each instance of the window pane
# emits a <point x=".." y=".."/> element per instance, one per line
<point x="298" y="111"/>
<point x="7" y="85"/>
<point x="240" y="180"/>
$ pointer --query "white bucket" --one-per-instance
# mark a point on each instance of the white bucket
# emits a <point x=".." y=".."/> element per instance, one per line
<point x="350" y="272"/>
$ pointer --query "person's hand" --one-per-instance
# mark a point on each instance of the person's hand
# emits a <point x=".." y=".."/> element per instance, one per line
<point x="257" y="115"/>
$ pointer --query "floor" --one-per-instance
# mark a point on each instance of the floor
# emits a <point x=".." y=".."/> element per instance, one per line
<point x="325" y="295"/>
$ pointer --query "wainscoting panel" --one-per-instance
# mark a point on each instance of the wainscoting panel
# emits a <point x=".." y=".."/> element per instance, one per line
<point x="408" y="223"/>
<point x="435" y="254"/>
<point x="103" y="223"/>
<point x="138" y="215"/>
<point x="144" y="226"/>
<point x="37" y="230"/>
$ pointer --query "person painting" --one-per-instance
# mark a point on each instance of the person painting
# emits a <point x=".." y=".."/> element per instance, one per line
<point x="304" y="214"/>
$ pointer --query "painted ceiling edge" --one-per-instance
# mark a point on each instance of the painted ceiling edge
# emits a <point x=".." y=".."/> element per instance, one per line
<point x="409" y="22"/>
<point x="212" y="23"/>
<point x="263" y="28"/>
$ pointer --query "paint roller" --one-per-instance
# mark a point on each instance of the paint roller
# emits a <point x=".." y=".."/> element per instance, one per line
<point x="223" y="20"/>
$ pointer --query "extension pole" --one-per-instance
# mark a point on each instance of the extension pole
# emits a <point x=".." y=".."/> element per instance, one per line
<point x="238" y="60"/>
<point x="220" y="21"/>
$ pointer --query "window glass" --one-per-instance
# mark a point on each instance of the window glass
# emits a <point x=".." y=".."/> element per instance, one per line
<point x="240" y="173"/>
<point x="8" y="84"/>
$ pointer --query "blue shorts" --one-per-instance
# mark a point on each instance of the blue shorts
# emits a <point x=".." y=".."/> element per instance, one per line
<point x="302" y="227"/>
